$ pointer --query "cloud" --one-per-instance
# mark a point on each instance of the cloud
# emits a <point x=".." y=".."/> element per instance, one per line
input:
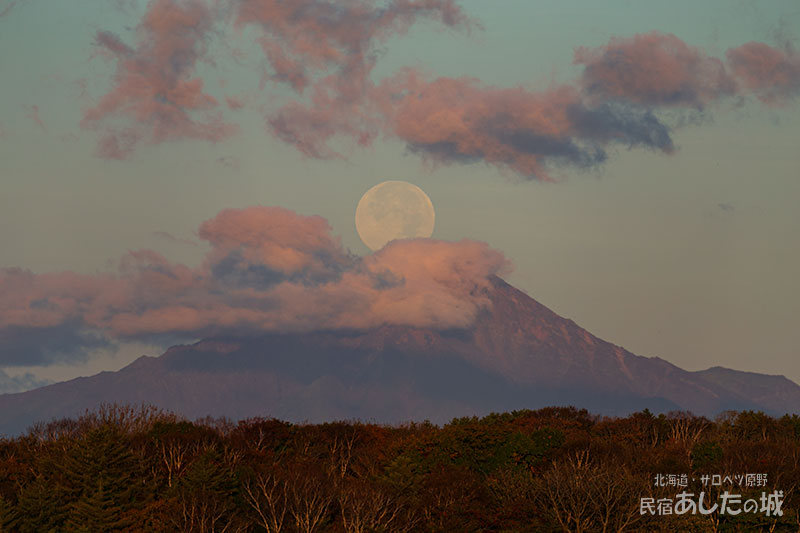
<point x="268" y="269"/>
<point x="653" y="69"/>
<point x="172" y="238"/>
<point x="156" y="95"/>
<point x="726" y="207"/>
<point x="234" y="103"/>
<point x="624" y="97"/>
<point x="323" y="55"/>
<point x="33" y="114"/>
<point x="24" y="382"/>
<point x="460" y="120"/>
<point x="44" y="345"/>
<point x="328" y="46"/>
<point x="262" y="246"/>
<point x="329" y="49"/>
<point x="308" y="38"/>
<point x="621" y="99"/>
<point x="5" y="10"/>
<point x="772" y="74"/>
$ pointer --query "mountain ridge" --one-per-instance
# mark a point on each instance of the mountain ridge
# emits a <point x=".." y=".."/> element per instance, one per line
<point x="517" y="354"/>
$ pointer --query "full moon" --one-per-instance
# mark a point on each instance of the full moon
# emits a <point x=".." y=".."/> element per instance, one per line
<point x="393" y="210"/>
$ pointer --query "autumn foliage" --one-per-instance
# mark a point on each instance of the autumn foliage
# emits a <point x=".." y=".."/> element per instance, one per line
<point x="555" y="469"/>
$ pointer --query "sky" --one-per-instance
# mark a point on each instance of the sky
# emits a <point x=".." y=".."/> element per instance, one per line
<point x="174" y="169"/>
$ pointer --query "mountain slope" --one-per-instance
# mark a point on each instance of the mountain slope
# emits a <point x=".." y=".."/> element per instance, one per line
<point x="518" y="354"/>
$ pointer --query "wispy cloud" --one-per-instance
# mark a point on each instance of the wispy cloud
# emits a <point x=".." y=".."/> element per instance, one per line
<point x="156" y="89"/>
<point x="33" y="114"/>
<point x="6" y="9"/>
<point x="172" y="238"/>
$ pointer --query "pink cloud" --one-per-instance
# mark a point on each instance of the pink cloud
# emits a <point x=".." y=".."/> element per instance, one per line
<point x="445" y="284"/>
<point x="329" y="47"/>
<point x="461" y="120"/>
<point x="338" y="107"/>
<point x="304" y="38"/>
<point x="269" y="269"/>
<point x="116" y="144"/>
<point x="771" y="73"/>
<point x="33" y="114"/>
<point x="155" y="89"/>
<point x="325" y="52"/>
<point x="275" y="239"/>
<point x="653" y="69"/>
<point x="234" y="103"/>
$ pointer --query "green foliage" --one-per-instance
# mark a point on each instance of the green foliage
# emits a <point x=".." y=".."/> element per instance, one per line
<point x="102" y="474"/>
<point x="485" y="445"/>
<point x="207" y="495"/>
<point x="527" y="449"/>
<point x="42" y="506"/>
<point x="98" y="509"/>
<point x="748" y="425"/>
<point x="706" y="454"/>
<point x="6" y="515"/>
<point x="207" y="475"/>
<point x="160" y="429"/>
<point x="404" y="473"/>
<point x="791" y="425"/>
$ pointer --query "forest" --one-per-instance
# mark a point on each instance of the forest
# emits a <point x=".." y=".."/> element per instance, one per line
<point x="137" y="468"/>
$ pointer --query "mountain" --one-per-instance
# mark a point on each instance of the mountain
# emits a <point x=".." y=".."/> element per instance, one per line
<point x="518" y="354"/>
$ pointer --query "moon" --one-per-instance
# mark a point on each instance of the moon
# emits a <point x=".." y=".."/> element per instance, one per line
<point x="393" y="210"/>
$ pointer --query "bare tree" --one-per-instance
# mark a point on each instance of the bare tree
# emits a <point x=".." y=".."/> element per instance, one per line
<point x="341" y="453"/>
<point x="309" y="499"/>
<point x="174" y="455"/>
<point x="584" y="494"/>
<point x="365" y="507"/>
<point x="267" y="495"/>
<point x="202" y="514"/>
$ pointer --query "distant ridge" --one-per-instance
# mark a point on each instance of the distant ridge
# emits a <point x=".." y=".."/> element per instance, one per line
<point x="518" y="354"/>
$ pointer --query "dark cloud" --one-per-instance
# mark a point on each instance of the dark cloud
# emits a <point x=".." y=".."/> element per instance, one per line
<point x="24" y="382"/>
<point x="67" y="342"/>
<point x="624" y="124"/>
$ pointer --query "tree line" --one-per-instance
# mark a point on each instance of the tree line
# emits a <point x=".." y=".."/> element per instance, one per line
<point x="138" y="468"/>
